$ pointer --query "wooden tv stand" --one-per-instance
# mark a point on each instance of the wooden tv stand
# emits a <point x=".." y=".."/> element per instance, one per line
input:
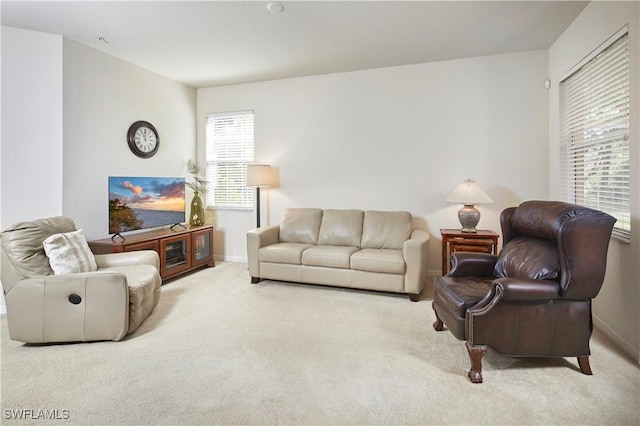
<point x="181" y="250"/>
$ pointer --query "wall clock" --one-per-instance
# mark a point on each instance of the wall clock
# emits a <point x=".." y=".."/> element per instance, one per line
<point x="143" y="139"/>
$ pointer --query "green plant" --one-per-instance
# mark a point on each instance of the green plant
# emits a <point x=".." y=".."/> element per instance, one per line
<point x="198" y="184"/>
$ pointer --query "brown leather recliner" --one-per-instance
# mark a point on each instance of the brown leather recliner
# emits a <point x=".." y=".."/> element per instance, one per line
<point x="534" y="298"/>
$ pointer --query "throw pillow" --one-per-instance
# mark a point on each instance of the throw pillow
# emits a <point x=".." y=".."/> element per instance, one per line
<point x="69" y="253"/>
<point x="527" y="257"/>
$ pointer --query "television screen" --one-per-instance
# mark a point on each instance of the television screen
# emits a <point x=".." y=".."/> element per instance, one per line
<point x="145" y="202"/>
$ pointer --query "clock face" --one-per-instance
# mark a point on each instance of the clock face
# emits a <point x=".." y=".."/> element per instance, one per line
<point x="143" y="139"/>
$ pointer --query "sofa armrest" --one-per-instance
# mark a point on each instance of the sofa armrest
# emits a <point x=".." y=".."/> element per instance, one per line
<point x="415" y="252"/>
<point x="467" y="264"/>
<point x="256" y="239"/>
<point x="141" y="257"/>
<point x="39" y="309"/>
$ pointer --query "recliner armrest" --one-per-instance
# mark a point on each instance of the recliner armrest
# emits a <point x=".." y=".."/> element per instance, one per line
<point x="472" y="264"/>
<point x="520" y="289"/>
<point x="512" y="289"/>
<point x="140" y="257"/>
<point x="40" y="309"/>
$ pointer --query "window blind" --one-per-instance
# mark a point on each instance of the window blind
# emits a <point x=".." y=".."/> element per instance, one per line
<point x="229" y="148"/>
<point x="594" y="140"/>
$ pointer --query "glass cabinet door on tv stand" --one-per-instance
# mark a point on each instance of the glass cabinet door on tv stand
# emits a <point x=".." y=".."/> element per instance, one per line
<point x="174" y="254"/>
<point x="201" y="248"/>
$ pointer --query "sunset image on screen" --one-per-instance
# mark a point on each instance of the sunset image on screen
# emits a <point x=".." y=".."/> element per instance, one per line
<point x="145" y="202"/>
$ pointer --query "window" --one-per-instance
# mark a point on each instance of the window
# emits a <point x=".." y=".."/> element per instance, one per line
<point x="594" y="140"/>
<point x="229" y="148"/>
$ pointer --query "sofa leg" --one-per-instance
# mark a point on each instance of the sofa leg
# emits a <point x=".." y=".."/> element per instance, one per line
<point x="438" y="325"/>
<point x="413" y="297"/>
<point x="255" y="280"/>
<point x="475" y="355"/>
<point x="583" y="362"/>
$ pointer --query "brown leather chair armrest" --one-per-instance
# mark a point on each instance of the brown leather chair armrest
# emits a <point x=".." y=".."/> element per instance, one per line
<point x="516" y="289"/>
<point x="466" y="264"/>
<point x="511" y="289"/>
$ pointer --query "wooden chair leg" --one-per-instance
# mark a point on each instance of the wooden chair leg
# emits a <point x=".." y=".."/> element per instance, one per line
<point x="583" y="362"/>
<point x="475" y="355"/>
<point x="438" y="325"/>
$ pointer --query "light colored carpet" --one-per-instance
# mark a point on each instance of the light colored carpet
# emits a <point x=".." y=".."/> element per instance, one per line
<point x="218" y="350"/>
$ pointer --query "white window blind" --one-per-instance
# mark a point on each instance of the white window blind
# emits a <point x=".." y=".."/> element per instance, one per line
<point x="595" y="134"/>
<point x="229" y="148"/>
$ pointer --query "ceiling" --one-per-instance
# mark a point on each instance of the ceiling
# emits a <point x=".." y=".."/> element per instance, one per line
<point x="210" y="43"/>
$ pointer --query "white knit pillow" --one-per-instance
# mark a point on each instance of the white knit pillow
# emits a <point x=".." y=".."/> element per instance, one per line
<point x="69" y="253"/>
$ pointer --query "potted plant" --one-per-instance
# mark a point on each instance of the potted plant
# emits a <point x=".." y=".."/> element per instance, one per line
<point x="198" y="186"/>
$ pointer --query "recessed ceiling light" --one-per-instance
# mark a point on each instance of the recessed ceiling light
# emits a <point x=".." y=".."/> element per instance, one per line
<point x="275" y="7"/>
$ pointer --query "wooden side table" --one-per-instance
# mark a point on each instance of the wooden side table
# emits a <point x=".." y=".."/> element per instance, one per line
<point x="483" y="241"/>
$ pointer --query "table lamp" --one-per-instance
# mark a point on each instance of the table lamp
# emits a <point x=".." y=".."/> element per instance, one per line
<point x="469" y="193"/>
<point x="258" y="175"/>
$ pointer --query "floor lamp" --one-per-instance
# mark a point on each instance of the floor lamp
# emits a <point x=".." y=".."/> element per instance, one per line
<point x="258" y="175"/>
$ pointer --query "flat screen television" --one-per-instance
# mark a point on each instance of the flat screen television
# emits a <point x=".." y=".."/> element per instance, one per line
<point x="145" y="202"/>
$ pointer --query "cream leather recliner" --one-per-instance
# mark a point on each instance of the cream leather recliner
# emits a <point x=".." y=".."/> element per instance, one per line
<point x="106" y="304"/>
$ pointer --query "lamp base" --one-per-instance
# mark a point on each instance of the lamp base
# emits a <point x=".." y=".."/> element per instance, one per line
<point x="469" y="217"/>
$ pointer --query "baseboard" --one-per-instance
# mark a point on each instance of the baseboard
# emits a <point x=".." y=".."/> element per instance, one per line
<point x="617" y="339"/>
<point x="238" y="259"/>
<point x="434" y="273"/>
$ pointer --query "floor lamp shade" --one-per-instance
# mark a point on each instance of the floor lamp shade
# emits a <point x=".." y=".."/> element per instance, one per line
<point x="469" y="194"/>
<point x="258" y="175"/>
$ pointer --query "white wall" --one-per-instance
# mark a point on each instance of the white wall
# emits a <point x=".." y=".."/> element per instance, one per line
<point x="59" y="95"/>
<point x="31" y="125"/>
<point x="103" y="96"/>
<point x="617" y="307"/>
<point x="399" y="138"/>
<point x="31" y="146"/>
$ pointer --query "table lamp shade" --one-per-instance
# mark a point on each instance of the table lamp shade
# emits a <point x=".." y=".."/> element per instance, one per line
<point x="469" y="193"/>
<point x="258" y="175"/>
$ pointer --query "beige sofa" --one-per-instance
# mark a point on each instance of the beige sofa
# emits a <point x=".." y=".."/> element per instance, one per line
<point x="371" y="250"/>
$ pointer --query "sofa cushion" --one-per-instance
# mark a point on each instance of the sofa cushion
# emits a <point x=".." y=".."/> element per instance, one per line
<point x="385" y="230"/>
<point x="341" y="228"/>
<point x="22" y="243"/>
<point x="283" y="253"/>
<point x="378" y="260"/>
<point x="457" y="294"/>
<point x="300" y="226"/>
<point x="527" y="257"/>
<point x="329" y="256"/>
